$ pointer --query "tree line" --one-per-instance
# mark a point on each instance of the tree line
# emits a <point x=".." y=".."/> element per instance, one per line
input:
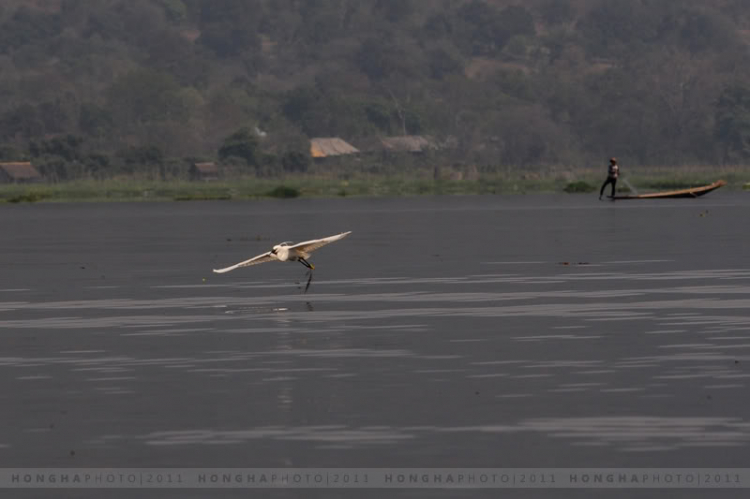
<point x="113" y="87"/>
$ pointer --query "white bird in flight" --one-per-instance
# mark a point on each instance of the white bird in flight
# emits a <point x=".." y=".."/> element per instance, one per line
<point x="288" y="252"/>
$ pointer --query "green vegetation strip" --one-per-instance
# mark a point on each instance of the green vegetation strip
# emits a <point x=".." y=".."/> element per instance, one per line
<point x="310" y="186"/>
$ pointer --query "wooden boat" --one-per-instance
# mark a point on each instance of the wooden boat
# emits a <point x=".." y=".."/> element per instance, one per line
<point x="693" y="192"/>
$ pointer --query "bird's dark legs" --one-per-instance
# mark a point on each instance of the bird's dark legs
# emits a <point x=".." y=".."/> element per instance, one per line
<point x="309" y="274"/>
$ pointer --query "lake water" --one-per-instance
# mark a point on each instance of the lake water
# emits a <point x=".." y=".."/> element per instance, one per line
<point x="520" y="331"/>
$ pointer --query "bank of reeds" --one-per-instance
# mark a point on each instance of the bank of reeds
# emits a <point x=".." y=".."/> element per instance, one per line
<point x="357" y="185"/>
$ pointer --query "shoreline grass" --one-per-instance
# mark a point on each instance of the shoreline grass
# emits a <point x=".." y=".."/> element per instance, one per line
<point x="306" y="186"/>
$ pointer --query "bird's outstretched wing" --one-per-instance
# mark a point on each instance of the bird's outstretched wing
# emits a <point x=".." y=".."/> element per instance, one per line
<point x="310" y="246"/>
<point x="265" y="257"/>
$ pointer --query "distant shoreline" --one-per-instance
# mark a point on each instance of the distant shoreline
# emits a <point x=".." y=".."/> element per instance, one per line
<point x="242" y="189"/>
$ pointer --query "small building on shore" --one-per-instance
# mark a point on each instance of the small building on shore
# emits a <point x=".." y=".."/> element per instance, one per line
<point x="327" y="147"/>
<point x="471" y="173"/>
<point x="19" y="173"/>
<point x="204" y="172"/>
<point x="414" y="144"/>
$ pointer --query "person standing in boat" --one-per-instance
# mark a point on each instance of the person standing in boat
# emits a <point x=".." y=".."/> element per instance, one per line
<point x="612" y="173"/>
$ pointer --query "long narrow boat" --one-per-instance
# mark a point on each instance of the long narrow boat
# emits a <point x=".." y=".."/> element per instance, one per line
<point x="693" y="192"/>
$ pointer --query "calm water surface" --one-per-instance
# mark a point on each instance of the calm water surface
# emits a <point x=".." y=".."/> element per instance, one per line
<point x="525" y="331"/>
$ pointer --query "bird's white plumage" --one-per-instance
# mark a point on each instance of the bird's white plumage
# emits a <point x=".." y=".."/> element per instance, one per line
<point x="286" y="252"/>
<point x="265" y="257"/>
<point x="308" y="247"/>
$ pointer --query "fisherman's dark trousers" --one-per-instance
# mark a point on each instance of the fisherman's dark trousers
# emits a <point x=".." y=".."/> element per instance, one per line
<point x="610" y="180"/>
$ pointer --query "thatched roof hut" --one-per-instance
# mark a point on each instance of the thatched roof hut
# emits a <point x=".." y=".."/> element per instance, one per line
<point x="409" y="143"/>
<point x="18" y="172"/>
<point x="204" y="171"/>
<point x="332" y="146"/>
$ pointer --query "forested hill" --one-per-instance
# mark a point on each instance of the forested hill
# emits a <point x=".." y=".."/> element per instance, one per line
<point x="95" y="86"/>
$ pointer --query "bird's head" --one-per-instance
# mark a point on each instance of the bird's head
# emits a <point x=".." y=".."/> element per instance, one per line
<point x="279" y="246"/>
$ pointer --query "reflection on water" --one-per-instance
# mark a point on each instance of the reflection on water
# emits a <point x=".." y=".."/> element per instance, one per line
<point x="630" y="434"/>
<point x="645" y="349"/>
<point x="699" y="349"/>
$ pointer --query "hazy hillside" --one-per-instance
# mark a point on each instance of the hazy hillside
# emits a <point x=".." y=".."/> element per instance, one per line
<point x="94" y="87"/>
